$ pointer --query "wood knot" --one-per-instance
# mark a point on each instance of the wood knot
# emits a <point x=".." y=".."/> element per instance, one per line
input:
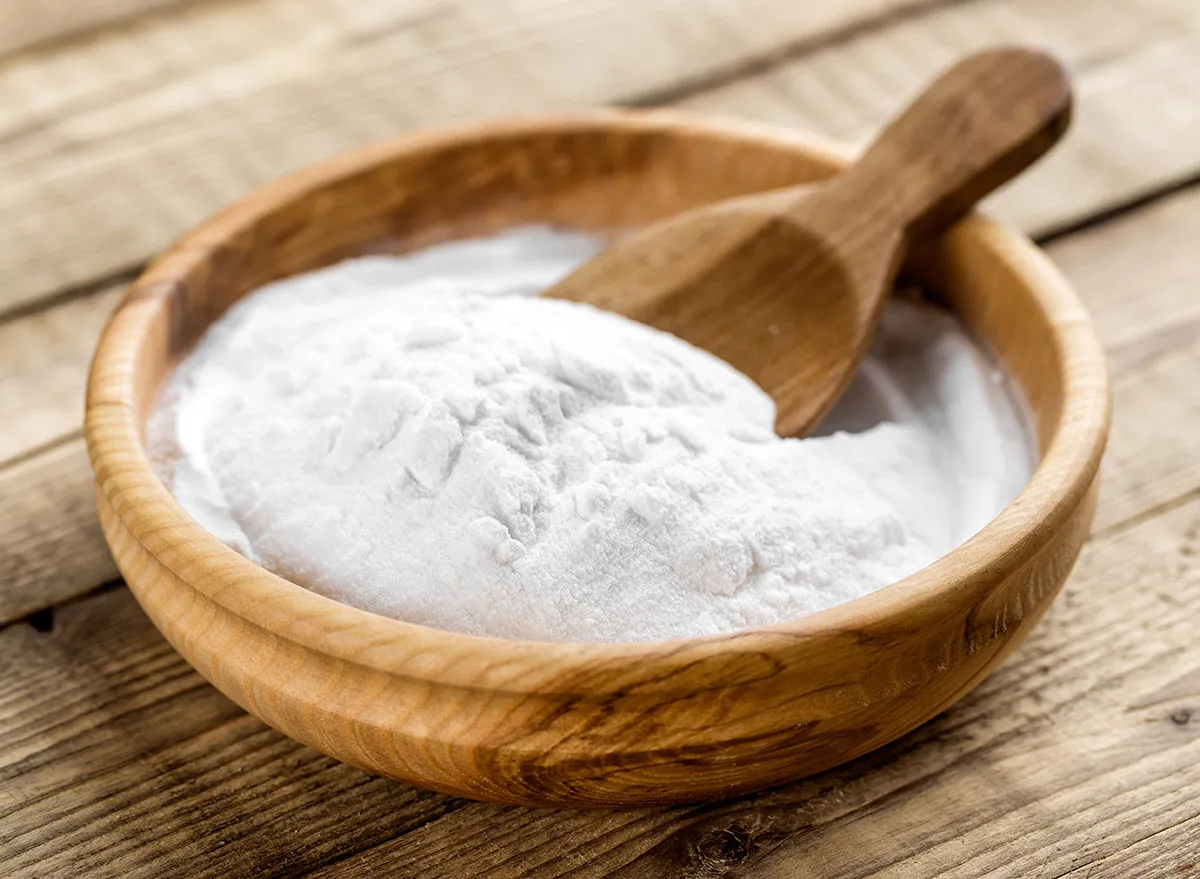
<point x="722" y="847"/>
<point x="1182" y="717"/>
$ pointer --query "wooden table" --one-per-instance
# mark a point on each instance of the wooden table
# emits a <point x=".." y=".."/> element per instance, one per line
<point x="126" y="121"/>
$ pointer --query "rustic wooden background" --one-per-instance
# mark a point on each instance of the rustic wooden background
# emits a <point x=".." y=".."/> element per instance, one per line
<point x="123" y="122"/>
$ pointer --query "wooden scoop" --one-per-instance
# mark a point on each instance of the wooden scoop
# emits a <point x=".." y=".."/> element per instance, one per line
<point x="788" y="285"/>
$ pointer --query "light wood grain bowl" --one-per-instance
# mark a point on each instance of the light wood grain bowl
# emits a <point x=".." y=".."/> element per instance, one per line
<point x="585" y="725"/>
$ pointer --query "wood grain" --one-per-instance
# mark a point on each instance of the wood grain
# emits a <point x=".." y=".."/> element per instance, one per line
<point x="1170" y="851"/>
<point x="138" y="107"/>
<point x="43" y="368"/>
<point x="27" y="25"/>
<point x="51" y="545"/>
<point x="1136" y="71"/>
<point x="196" y="97"/>
<point x="122" y="750"/>
<point x="1138" y="276"/>
<point x="120" y="760"/>
<point x="787" y="286"/>
<point x="70" y="164"/>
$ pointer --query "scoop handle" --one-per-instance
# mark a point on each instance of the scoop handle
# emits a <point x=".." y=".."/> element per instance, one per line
<point x="976" y="126"/>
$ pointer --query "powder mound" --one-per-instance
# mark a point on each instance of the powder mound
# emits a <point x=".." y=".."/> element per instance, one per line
<point x="421" y="438"/>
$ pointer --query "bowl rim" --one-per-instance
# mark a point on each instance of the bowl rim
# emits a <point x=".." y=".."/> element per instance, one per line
<point x="126" y="481"/>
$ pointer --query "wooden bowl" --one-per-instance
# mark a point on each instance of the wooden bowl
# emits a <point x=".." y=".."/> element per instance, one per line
<point x="585" y="725"/>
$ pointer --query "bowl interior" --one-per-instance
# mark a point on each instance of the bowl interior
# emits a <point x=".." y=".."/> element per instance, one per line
<point x="585" y="173"/>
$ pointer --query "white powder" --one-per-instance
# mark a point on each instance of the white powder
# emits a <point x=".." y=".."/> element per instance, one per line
<point x="423" y="438"/>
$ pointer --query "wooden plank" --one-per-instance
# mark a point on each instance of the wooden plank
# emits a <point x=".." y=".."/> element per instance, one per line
<point x="135" y="110"/>
<point x="1094" y="35"/>
<point x="51" y="545"/>
<point x="115" y="147"/>
<point x="1137" y="77"/>
<point x="1139" y="275"/>
<point x="118" y="760"/>
<point x="26" y="25"/>
<point x="1152" y="459"/>
<point x="45" y="420"/>
<point x="1166" y="853"/>
<point x="43" y="367"/>
<point x="994" y="742"/>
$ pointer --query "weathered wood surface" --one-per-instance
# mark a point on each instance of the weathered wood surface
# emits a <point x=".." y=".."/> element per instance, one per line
<point x="1077" y="758"/>
<point x="135" y="106"/>
<point x="119" y="760"/>
<point x="51" y="545"/>
<point x="27" y="25"/>
<point x="222" y="96"/>
<point x="1137" y="81"/>
<point x="43" y="363"/>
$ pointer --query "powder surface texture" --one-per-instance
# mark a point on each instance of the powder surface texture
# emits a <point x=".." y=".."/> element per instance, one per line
<point x="424" y="438"/>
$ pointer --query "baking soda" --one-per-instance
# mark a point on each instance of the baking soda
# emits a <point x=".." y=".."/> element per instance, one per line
<point x="424" y="438"/>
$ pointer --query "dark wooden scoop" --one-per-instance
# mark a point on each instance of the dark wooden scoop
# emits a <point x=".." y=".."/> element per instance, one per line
<point x="788" y="285"/>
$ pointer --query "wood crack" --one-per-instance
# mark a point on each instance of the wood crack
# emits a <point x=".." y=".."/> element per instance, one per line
<point x="123" y="275"/>
<point x="1117" y="210"/>
<point x="40" y="449"/>
<point x="1100" y="859"/>
<point x="1152" y="512"/>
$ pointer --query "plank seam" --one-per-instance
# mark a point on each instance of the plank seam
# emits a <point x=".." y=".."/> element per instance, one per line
<point x="56" y="607"/>
<point x="56" y="42"/>
<point x="1142" y="516"/>
<point x="41" y="449"/>
<point x="123" y="275"/>
<point x="1117" y="210"/>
